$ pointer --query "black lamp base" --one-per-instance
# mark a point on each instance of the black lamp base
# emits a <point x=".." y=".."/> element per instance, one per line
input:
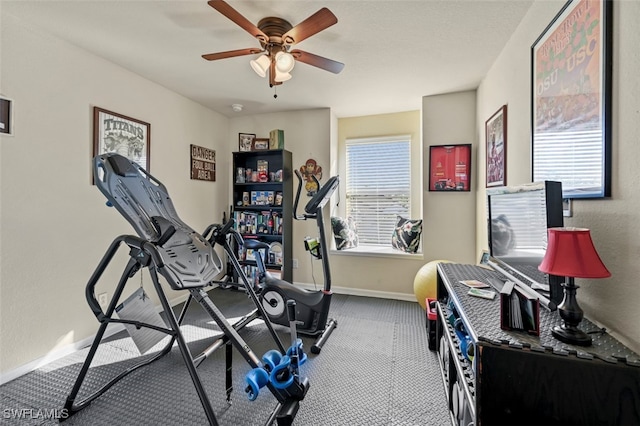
<point x="571" y="335"/>
<point x="571" y="314"/>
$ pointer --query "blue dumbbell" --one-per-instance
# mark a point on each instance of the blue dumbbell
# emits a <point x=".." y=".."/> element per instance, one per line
<point x="256" y="379"/>
<point x="271" y="359"/>
<point x="281" y="376"/>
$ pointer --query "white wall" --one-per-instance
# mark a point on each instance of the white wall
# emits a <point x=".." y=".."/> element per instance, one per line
<point x="449" y="216"/>
<point x="54" y="225"/>
<point x="614" y="222"/>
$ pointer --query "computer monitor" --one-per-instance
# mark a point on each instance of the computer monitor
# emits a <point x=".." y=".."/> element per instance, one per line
<point x="518" y="219"/>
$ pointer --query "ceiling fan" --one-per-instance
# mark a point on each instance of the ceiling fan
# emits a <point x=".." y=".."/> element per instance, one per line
<point x="276" y="37"/>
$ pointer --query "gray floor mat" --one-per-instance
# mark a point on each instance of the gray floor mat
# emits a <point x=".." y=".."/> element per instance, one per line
<point x="375" y="369"/>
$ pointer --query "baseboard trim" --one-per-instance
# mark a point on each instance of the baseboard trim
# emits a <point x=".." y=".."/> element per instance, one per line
<point x="363" y="292"/>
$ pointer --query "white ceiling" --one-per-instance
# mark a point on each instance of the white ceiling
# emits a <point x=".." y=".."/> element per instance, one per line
<point x="394" y="51"/>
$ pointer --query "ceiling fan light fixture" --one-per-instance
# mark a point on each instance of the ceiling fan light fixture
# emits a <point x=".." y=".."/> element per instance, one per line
<point x="260" y="65"/>
<point x="282" y="76"/>
<point x="284" y="62"/>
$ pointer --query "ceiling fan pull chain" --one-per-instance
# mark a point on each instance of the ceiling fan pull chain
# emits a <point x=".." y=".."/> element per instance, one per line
<point x="275" y="92"/>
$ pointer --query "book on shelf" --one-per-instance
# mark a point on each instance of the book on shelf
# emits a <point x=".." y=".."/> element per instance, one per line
<point x="264" y="222"/>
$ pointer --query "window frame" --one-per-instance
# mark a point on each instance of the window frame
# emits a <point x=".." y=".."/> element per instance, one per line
<point x="383" y="248"/>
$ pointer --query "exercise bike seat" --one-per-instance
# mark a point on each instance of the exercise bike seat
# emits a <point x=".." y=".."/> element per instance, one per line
<point x="186" y="258"/>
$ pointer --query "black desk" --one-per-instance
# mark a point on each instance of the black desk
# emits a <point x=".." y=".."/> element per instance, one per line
<point x="518" y="378"/>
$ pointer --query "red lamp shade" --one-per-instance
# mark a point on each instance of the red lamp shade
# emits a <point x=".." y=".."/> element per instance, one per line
<point x="571" y="253"/>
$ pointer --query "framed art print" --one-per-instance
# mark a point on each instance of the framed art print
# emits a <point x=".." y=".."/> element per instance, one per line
<point x="450" y="167"/>
<point x="571" y="100"/>
<point x="113" y="132"/>
<point x="496" y="148"/>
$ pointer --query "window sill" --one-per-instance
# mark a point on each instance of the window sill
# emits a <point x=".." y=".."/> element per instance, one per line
<point x="377" y="251"/>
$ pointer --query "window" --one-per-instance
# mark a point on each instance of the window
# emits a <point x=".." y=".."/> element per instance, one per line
<point x="378" y="186"/>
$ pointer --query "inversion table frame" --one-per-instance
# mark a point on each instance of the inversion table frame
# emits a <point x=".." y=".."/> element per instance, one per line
<point x="187" y="260"/>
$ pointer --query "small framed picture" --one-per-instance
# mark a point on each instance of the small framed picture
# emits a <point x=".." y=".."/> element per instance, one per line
<point x="484" y="257"/>
<point x="245" y="141"/>
<point x="261" y="144"/>
<point x="484" y="260"/>
<point x="496" y="148"/>
<point x="450" y="167"/>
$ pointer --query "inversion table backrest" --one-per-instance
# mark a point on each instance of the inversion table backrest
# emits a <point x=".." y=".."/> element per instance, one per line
<point x="189" y="259"/>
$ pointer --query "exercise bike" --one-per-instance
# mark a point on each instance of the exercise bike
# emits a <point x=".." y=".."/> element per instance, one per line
<point x="312" y="307"/>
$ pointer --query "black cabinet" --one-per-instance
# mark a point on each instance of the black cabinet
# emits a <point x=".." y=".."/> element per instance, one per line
<point x="494" y="376"/>
<point x="263" y="207"/>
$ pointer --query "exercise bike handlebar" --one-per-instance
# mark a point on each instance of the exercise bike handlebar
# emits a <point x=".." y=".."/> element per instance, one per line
<point x="319" y="198"/>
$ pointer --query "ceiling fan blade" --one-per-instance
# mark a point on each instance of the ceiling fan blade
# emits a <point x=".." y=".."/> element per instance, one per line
<point x="224" y="8"/>
<point x="230" y="54"/>
<point x="315" y="23"/>
<point x="317" y="61"/>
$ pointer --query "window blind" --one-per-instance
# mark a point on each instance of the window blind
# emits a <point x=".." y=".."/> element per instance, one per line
<point x="378" y="186"/>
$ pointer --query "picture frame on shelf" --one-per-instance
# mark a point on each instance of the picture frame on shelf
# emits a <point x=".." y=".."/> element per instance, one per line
<point x="571" y="87"/>
<point x="130" y="137"/>
<point x="450" y="168"/>
<point x="245" y="141"/>
<point x="496" y="148"/>
<point x="485" y="257"/>
<point x="261" y="144"/>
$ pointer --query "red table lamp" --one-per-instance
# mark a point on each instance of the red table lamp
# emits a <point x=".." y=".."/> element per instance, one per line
<point x="571" y="254"/>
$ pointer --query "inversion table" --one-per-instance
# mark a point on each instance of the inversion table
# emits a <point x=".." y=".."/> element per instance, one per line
<point x="187" y="261"/>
